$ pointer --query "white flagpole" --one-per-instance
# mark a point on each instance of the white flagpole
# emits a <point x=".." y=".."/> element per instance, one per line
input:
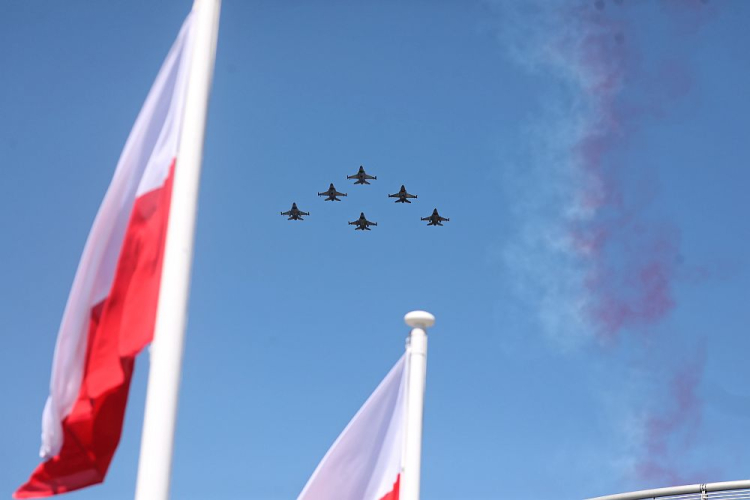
<point x="415" y="385"/>
<point x="155" y="463"/>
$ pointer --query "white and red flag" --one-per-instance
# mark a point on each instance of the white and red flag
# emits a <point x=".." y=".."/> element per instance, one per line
<point x="110" y="313"/>
<point x="365" y="462"/>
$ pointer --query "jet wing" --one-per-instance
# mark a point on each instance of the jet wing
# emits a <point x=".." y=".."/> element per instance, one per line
<point x="441" y="219"/>
<point x="336" y="193"/>
<point x="411" y="195"/>
<point x="287" y="213"/>
<point x="368" y="176"/>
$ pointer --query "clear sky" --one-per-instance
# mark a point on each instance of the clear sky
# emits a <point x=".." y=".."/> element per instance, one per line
<point x="591" y="289"/>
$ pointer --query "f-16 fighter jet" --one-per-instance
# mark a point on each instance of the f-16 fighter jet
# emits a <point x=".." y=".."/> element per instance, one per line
<point x="402" y="196"/>
<point x="362" y="223"/>
<point x="295" y="213"/>
<point x="435" y="219"/>
<point x="361" y="176"/>
<point x="331" y="194"/>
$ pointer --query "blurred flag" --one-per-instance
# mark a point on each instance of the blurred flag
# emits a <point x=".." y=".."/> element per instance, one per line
<point x="110" y="313"/>
<point x="365" y="461"/>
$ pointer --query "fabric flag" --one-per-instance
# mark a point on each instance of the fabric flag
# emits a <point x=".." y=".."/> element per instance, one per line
<point x="364" y="463"/>
<point x="110" y="313"/>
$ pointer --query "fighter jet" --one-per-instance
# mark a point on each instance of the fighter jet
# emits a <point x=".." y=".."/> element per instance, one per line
<point x="295" y="213"/>
<point x="435" y="219"/>
<point x="361" y="176"/>
<point x="402" y="196"/>
<point x="362" y="223"/>
<point x="331" y="194"/>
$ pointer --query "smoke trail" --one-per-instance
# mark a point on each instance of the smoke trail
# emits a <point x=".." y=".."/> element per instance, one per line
<point x="623" y="264"/>
<point x="629" y="264"/>
<point x="588" y="256"/>
<point x="671" y="432"/>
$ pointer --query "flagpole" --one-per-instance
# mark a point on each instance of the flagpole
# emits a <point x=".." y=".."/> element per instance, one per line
<point x="157" y="440"/>
<point x="415" y="386"/>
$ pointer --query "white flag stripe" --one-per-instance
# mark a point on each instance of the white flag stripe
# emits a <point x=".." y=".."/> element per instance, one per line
<point x="365" y="460"/>
<point x="143" y="166"/>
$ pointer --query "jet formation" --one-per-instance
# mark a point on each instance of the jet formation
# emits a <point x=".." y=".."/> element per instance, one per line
<point x="362" y="224"/>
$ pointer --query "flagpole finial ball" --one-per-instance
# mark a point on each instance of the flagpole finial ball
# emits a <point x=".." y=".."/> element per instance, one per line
<point x="419" y="319"/>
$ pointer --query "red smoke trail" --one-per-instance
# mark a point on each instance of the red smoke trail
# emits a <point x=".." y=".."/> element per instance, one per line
<point x="614" y="269"/>
<point x="681" y="420"/>
<point x="631" y="263"/>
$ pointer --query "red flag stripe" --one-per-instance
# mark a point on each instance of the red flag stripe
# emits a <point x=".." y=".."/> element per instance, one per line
<point x="120" y="326"/>
<point x="394" y="493"/>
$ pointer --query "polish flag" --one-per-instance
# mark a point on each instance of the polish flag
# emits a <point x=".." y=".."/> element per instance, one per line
<point x="110" y="313"/>
<point x="364" y="463"/>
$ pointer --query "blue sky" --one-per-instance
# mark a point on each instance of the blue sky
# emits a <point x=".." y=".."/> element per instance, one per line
<point x="591" y="289"/>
